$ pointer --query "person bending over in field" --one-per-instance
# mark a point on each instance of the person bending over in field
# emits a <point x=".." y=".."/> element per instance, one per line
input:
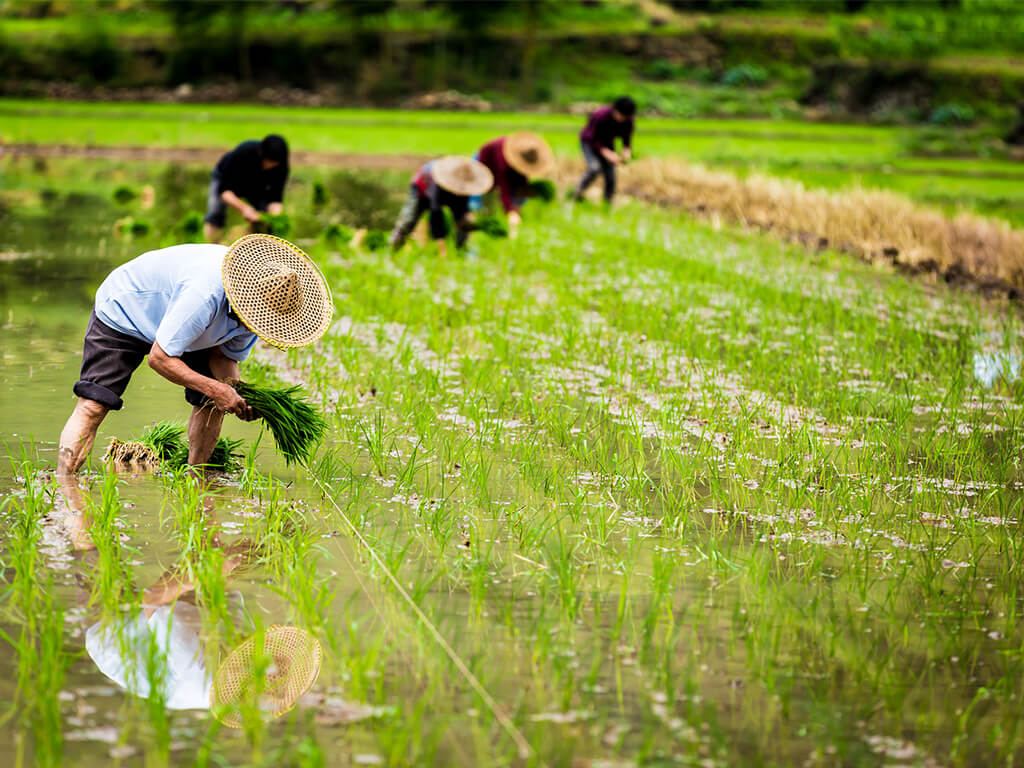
<point x="196" y="311"/>
<point x="598" y="142"/>
<point x="513" y="160"/>
<point x="250" y="178"/>
<point x="444" y="183"/>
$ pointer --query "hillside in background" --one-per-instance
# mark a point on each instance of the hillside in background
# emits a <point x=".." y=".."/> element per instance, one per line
<point x="941" y="63"/>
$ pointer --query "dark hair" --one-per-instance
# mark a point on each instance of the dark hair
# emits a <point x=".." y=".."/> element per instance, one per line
<point x="625" y="106"/>
<point x="274" y="147"/>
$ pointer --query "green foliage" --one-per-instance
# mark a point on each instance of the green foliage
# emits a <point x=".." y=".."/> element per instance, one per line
<point x="124" y="194"/>
<point x="319" y="194"/>
<point x="542" y="190"/>
<point x="296" y="425"/>
<point x="745" y="76"/>
<point x="226" y="456"/>
<point x="376" y="240"/>
<point x="952" y="114"/>
<point x="190" y="228"/>
<point x="492" y="226"/>
<point x="130" y="227"/>
<point x="337" y="234"/>
<point x="167" y="440"/>
<point x="278" y="224"/>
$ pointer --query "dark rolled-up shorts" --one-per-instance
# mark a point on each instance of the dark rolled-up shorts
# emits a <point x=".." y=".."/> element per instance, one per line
<point x="109" y="358"/>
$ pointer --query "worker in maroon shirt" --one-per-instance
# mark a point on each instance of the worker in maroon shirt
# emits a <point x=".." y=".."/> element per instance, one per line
<point x="513" y="160"/>
<point x="598" y="142"/>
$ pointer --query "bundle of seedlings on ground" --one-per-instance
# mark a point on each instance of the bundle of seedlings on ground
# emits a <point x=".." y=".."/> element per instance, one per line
<point x="543" y="190"/>
<point x="296" y="425"/>
<point x="226" y="456"/>
<point x="492" y="226"/>
<point x="376" y="240"/>
<point x="131" y="455"/>
<point x="167" y="441"/>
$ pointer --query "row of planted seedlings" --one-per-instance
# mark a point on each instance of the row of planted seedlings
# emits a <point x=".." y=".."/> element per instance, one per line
<point x="862" y="568"/>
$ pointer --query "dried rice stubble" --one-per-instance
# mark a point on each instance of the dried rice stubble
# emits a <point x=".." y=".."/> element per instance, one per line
<point x="296" y="425"/>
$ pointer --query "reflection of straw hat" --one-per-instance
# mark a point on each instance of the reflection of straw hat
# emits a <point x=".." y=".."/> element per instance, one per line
<point x="461" y="175"/>
<point x="271" y="679"/>
<point x="528" y="153"/>
<point x="277" y="291"/>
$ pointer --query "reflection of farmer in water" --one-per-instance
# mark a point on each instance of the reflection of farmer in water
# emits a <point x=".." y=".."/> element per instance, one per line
<point x="250" y="178"/>
<point x="513" y="160"/>
<point x="196" y="311"/>
<point x="160" y="651"/>
<point x="445" y="183"/>
<point x="597" y="140"/>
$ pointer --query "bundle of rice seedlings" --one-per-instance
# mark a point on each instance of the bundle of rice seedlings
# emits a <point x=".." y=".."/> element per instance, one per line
<point x="274" y="224"/>
<point x="226" y="456"/>
<point x="338" y="234"/>
<point x="296" y="425"/>
<point x="492" y="226"/>
<point x="543" y="190"/>
<point x="167" y="441"/>
<point x="131" y="454"/>
<point x="376" y="240"/>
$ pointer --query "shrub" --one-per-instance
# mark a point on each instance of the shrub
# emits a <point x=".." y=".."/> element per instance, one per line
<point x="745" y="76"/>
<point x="952" y="114"/>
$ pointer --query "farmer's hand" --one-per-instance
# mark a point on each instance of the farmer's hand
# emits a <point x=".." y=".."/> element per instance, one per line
<point x="610" y="155"/>
<point x="251" y="214"/>
<point x="627" y="154"/>
<point x="514" y="219"/>
<point x="228" y="400"/>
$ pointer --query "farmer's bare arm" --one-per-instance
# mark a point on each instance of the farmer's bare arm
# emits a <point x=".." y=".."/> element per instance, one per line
<point x="175" y="371"/>
<point x="250" y="213"/>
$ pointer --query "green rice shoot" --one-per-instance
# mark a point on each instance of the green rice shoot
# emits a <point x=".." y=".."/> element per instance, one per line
<point x="296" y="425"/>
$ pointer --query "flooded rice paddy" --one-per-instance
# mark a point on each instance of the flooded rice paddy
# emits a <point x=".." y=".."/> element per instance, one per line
<point x="674" y="495"/>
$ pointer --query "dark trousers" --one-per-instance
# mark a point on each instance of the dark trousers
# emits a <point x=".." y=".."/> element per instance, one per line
<point x="596" y="164"/>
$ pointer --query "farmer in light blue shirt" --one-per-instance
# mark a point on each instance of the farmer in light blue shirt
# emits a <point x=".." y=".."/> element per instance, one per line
<point x="196" y="311"/>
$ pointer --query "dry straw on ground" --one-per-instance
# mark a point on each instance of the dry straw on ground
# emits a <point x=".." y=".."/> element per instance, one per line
<point x="873" y="224"/>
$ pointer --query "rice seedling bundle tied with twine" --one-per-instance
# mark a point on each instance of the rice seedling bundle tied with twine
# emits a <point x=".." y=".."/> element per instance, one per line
<point x="296" y="425"/>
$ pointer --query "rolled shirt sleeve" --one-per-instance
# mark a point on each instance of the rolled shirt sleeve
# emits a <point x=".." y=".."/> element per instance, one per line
<point x="188" y="315"/>
<point x="239" y="347"/>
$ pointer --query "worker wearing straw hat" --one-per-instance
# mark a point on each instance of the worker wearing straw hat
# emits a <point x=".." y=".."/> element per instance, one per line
<point x="513" y="160"/>
<point x="597" y="139"/>
<point x="448" y="182"/>
<point x="196" y="311"/>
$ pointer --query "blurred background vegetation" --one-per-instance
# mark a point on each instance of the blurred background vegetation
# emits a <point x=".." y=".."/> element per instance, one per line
<point x="941" y="62"/>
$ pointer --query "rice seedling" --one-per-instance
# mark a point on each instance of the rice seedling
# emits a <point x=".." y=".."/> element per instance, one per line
<point x="296" y="425"/>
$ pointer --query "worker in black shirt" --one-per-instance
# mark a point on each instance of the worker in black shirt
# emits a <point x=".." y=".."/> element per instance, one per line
<point x="250" y="178"/>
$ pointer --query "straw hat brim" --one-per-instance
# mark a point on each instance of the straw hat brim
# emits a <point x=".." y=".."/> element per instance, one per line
<point x="247" y="262"/>
<point x="462" y="175"/>
<point x="235" y="677"/>
<point x="528" y="154"/>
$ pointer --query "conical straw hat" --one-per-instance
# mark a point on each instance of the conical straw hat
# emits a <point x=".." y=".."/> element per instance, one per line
<point x="461" y="175"/>
<point x="277" y="291"/>
<point x="528" y="153"/>
<point x="292" y="658"/>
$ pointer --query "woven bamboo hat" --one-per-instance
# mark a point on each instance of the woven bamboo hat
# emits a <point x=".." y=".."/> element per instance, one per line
<point x="528" y="153"/>
<point x="277" y="291"/>
<point x="461" y="175"/>
<point x="271" y="678"/>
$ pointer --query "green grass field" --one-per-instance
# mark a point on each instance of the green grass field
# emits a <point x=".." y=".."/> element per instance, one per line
<point x="675" y="494"/>
<point x="833" y="156"/>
